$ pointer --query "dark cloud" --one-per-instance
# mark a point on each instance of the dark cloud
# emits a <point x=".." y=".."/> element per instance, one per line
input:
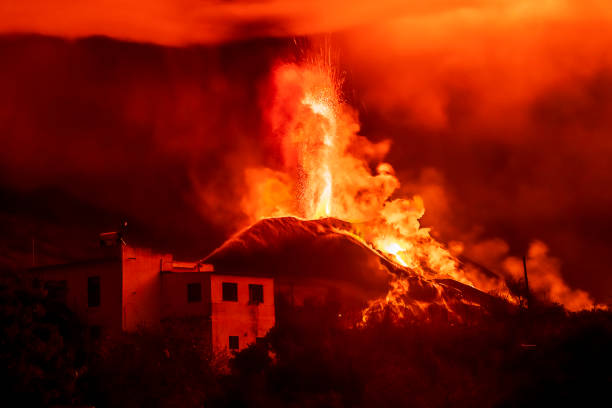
<point x="123" y="129"/>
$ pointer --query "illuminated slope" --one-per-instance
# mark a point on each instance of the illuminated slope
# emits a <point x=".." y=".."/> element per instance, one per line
<point x="325" y="251"/>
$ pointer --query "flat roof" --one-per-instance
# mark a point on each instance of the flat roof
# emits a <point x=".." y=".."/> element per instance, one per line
<point x="185" y="267"/>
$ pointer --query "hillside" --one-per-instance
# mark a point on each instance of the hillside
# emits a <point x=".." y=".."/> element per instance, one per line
<point x="323" y="252"/>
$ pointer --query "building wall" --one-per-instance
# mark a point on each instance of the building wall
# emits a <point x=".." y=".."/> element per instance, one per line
<point x="247" y="321"/>
<point x="142" y="289"/>
<point x="108" y="314"/>
<point x="174" y="295"/>
<point x="135" y="294"/>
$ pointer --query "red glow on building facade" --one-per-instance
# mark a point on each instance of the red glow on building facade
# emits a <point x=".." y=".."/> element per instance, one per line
<point x="133" y="289"/>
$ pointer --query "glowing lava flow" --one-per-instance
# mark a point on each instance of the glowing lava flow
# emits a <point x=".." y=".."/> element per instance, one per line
<point x="327" y="173"/>
<point x="321" y="107"/>
<point x="320" y="178"/>
<point x="319" y="134"/>
<point x="324" y="205"/>
<point x="394" y="249"/>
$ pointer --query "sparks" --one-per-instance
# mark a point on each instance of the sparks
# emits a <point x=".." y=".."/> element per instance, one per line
<point x="319" y="140"/>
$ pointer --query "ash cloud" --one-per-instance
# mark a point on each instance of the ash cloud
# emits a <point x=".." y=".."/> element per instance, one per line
<point x="498" y="114"/>
<point x="512" y="112"/>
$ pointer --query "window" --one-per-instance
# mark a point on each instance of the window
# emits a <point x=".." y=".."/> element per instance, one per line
<point x="194" y="292"/>
<point x="234" y="342"/>
<point x="230" y="292"/>
<point x="255" y="294"/>
<point x="56" y="290"/>
<point x="95" y="332"/>
<point x="93" y="291"/>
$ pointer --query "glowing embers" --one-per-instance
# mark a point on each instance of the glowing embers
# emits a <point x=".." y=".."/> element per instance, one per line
<point x="324" y="107"/>
<point x="392" y="248"/>
<point x="320" y="153"/>
<point x="324" y="204"/>
<point x="326" y="172"/>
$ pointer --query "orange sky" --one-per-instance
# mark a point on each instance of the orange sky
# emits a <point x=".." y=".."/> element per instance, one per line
<point x="410" y="53"/>
<point x="498" y="112"/>
<point x="188" y="21"/>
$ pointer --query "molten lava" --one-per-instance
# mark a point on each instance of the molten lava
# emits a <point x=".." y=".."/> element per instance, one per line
<point x="326" y="172"/>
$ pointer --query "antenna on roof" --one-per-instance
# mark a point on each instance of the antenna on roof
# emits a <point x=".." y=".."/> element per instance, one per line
<point x="123" y="231"/>
<point x="114" y="237"/>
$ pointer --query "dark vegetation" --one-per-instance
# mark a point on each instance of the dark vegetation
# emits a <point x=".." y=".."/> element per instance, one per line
<point x="41" y="348"/>
<point x="309" y="360"/>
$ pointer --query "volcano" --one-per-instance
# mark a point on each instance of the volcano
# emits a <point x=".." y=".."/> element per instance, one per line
<point x="325" y="256"/>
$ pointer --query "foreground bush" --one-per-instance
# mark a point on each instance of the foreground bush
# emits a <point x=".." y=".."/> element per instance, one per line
<point x="311" y="359"/>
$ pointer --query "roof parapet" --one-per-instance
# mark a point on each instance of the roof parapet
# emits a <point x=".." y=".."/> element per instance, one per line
<point x="178" y="267"/>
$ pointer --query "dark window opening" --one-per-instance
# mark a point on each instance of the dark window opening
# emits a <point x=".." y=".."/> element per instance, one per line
<point x="93" y="291"/>
<point x="230" y="292"/>
<point x="194" y="292"/>
<point x="234" y="342"/>
<point x="56" y="290"/>
<point x="256" y="295"/>
<point x="95" y="332"/>
<point x="260" y="340"/>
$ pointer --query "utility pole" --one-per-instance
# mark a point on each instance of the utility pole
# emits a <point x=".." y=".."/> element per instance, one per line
<point x="526" y="321"/>
<point x="527" y="297"/>
<point x="33" y="253"/>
